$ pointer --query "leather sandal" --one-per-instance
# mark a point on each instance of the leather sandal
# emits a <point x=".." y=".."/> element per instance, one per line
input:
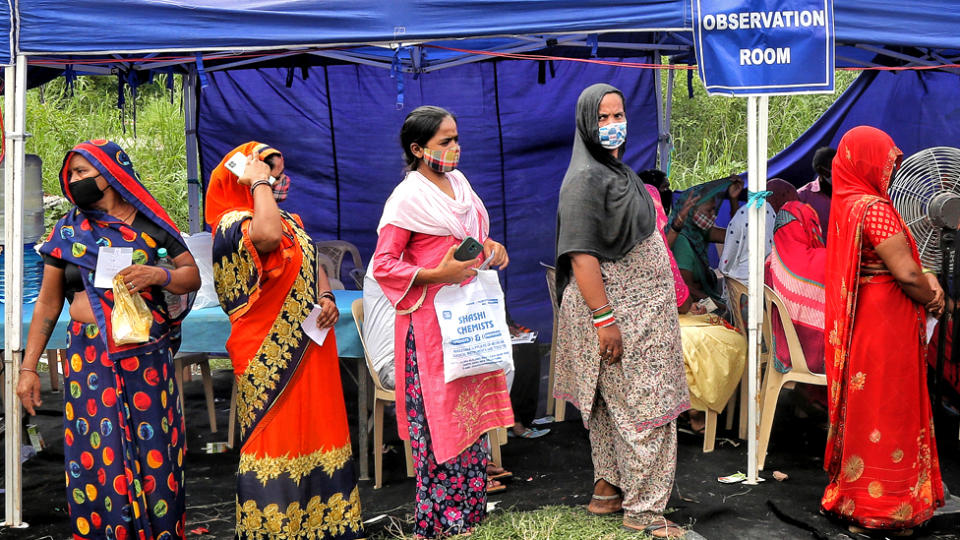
<point x="614" y="497"/>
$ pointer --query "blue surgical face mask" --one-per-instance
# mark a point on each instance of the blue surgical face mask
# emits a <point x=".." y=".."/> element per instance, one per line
<point x="613" y="135"/>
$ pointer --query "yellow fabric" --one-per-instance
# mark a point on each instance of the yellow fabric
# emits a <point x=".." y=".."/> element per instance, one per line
<point x="713" y="357"/>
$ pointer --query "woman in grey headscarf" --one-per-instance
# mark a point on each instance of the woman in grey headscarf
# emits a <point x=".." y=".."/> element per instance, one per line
<point x="619" y="358"/>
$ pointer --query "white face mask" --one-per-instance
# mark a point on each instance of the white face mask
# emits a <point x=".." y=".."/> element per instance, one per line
<point x="613" y="135"/>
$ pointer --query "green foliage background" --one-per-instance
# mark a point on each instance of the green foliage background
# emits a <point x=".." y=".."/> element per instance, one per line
<point x="709" y="132"/>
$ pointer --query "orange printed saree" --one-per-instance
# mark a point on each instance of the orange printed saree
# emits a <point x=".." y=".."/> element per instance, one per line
<point x="296" y="477"/>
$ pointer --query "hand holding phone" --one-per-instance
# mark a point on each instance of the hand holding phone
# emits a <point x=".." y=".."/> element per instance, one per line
<point x="237" y="164"/>
<point x="468" y="250"/>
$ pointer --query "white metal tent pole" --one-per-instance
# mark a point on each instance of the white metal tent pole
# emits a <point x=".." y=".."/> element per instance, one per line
<point x="756" y="215"/>
<point x="15" y="108"/>
<point x="193" y="157"/>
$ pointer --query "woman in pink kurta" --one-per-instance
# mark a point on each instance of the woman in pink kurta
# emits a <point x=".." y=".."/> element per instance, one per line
<point x="429" y="213"/>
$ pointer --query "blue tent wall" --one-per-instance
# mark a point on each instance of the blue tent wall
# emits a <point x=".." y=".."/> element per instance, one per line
<point x="919" y="109"/>
<point x="339" y="187"/>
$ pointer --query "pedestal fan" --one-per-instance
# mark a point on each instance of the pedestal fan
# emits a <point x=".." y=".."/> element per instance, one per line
<point x="926" y="193"/>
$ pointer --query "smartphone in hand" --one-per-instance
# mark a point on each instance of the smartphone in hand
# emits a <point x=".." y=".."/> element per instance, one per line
<point x="237" y="164"/>
<point x="468" y="250"/>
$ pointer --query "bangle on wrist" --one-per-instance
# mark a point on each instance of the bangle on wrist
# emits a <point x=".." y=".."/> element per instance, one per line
<point x="329" y="296"/>
<point x="254" y="185"/>
<point x="169" y="276"/>
<point x="601" y="308"/>
<point x="604" y="319"/>
<point x="22" y="369"/>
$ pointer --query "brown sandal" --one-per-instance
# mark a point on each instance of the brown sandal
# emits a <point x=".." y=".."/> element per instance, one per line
<point x="614" y="497"/>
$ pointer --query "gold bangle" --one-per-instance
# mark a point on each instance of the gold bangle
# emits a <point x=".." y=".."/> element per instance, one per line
<point x="928" y="271"/>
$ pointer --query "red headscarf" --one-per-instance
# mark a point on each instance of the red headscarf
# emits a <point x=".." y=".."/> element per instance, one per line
<point x="224" y="194"/>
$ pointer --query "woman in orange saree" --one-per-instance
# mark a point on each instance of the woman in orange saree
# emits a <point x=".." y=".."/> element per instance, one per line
<point x="296" y="477"/>
<point x="881" y="454"/>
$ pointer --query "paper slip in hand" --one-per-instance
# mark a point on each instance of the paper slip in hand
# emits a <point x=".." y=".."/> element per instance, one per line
<point x="111" y="260"/>
<point x="310" y="326"/>
<point x="931" y="325"/>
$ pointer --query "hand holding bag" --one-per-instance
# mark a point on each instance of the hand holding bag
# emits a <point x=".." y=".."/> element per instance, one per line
<point x="473" y="325"/>
<point x="131" y="318"/>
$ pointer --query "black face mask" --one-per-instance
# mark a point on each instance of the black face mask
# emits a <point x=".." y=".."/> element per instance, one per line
<point x="666" y="198"/>
<point x="826" y="186"/>
<point x="85" y="192"/>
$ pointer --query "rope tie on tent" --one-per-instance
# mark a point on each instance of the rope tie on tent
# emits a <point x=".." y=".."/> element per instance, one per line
<point x="593" y="41"/>
<point x="757" y="198"/>
<point x="69" y="75"/>
<point x="202" y="73"/>
<point x="396" y="72"/>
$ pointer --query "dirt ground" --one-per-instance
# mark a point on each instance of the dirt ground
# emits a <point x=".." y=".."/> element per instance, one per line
<point x="555" y="469"/>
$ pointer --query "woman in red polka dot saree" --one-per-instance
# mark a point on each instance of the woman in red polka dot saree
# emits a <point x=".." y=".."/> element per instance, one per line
<point x="123" y="428"/>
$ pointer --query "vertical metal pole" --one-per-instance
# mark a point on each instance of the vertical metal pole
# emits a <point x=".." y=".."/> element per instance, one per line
<point x="668" y="122"/>
<point x="757" y="109"/>
<point x="658" y="89"/>
<point x="753" y="338"/>
<point x="15" y="108"/>
<point x="193" y="157"/>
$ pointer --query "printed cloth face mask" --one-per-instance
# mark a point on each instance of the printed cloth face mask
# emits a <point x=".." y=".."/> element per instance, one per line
<point x="613" y="135"/>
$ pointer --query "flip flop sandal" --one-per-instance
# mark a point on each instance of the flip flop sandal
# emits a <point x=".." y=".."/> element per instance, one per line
<point x="495" y="489"/>
<point x="530" y="433"/>
<point x="605" y="498"/>
<point x="500" y="476"/>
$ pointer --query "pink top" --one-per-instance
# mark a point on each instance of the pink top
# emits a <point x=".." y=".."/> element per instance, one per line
<point x="679" y="285"/>
<point x="460" y="411"/>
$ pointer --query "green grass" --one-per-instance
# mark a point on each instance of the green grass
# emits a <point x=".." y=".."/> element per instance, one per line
<point x="549" y="522"/>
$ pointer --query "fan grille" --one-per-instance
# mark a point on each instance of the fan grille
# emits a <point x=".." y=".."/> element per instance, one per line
<point x="922" y="176"/>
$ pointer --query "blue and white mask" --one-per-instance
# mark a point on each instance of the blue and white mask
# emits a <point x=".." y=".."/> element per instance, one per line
<point x="613" y="135"/>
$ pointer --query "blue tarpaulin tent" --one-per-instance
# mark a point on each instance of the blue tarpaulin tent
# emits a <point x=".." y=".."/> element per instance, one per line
<point x="345" y="156"/>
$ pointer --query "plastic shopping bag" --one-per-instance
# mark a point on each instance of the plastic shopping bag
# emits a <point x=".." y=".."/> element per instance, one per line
<point x="131" y="318"/>
<point x="201" y="247"/>
<point x="473" y="324"/>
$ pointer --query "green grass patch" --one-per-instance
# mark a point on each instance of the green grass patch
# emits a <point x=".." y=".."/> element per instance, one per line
<point x="710" y="132"/>
<point x="549" y="522"/>
<point x="59" y="119"/>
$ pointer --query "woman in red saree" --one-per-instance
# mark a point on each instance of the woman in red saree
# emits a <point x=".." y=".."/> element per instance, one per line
<point x="881" y="454"/>
<point x="296" y="477"/>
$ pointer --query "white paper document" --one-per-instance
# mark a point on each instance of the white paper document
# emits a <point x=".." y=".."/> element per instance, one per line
<point x="310" y="326"/>
<point x="111" y="260"/>
<point x="931" y="325"/>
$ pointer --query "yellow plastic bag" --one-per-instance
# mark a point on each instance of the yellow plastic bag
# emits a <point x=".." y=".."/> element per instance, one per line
<point x="131" y="318"/>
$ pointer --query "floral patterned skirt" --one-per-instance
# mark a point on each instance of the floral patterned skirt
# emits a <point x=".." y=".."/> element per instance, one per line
<point x="452" y="496"/>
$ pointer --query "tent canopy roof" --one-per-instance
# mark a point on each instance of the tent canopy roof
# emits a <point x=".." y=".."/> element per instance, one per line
<point x="372" y="31"/>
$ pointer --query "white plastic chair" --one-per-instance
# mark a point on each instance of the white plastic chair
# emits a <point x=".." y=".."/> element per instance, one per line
<point x="381" y="396"/>
<point x="555" y="406"/>
<point x="774" y="381"/>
